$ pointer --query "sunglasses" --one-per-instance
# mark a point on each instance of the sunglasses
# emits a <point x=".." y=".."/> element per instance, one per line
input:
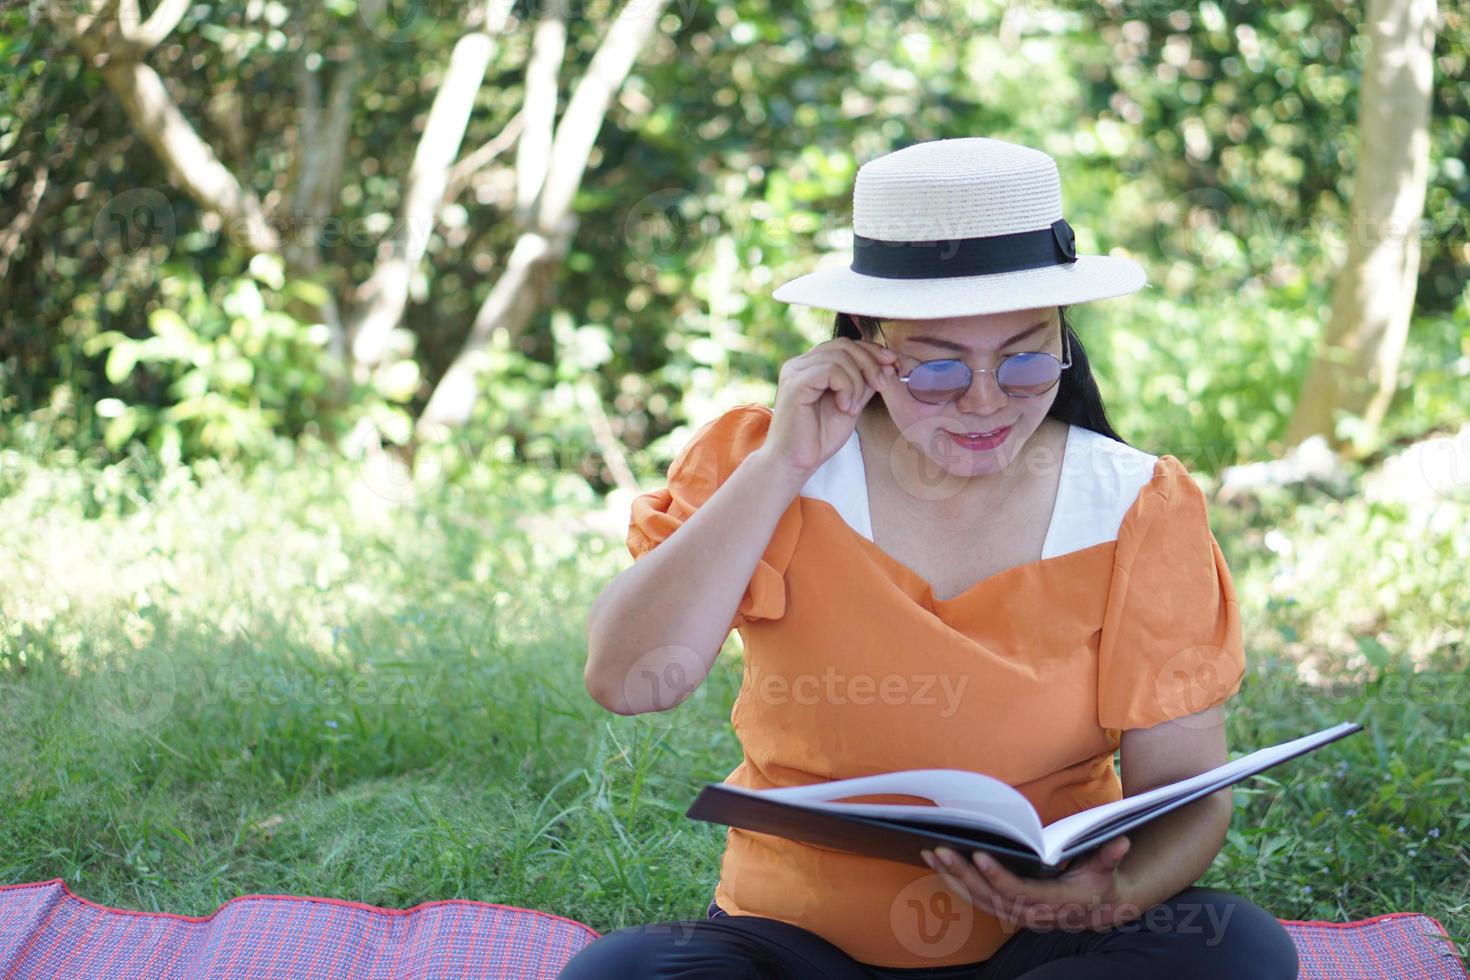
<point x="1025" y="375"/>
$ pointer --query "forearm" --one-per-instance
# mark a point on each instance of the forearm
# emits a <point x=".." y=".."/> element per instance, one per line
<point x="657" y="628"/>
<point x="1171" y="853"/>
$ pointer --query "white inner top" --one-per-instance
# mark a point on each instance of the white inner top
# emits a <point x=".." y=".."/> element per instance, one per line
<point x="1100" y="480"/>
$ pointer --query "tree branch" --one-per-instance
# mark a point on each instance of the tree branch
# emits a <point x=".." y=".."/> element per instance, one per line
<point x="145" y="37"/>
<point x="190" y="162"/>
<point x="548" y="47"/>
<point x="576" y="134"/>
<point x="384" y="295"/>
<point x="543" y="246"/>
<point x="462" y="172"/>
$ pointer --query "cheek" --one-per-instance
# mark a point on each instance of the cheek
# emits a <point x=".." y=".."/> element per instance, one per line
<point x="913" y="418"/>
<point x="1029" y="421"/>
<point x="1035" y="409"/>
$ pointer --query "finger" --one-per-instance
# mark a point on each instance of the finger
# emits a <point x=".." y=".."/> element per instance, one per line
<point x="885" y="354"/>
<point x="882" y="371"/>
<point x="824" y="375"/>
<point x="808" y="382"/>
<point x="861" y="359"/>
<point x="1104" y="859"/>
<point x="977" y="890"/>
<point x="869" y="359"/>
<point x="996" y="874"/>
<point x="841" y="375"/>
<point x="827" y="371"/>
<point x="853" y="372"/>
<point x="1011" y="887"/>
<point x="847" y="381"/>
<point x="955" y="866"/>
<point x="1111" y="854"/>
<point x="958" y="887"/>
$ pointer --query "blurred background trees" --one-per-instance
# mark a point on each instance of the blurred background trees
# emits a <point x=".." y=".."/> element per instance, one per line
<point x="1356" y="366"/>
<point x="548" y="233"/>
<point x="248" y="246"/>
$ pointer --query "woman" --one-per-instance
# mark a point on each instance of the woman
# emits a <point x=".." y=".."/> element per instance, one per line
<point x="970" y="570"/>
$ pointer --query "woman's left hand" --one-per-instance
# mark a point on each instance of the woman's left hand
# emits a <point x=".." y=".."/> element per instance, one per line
<point x="1090" y="895"/>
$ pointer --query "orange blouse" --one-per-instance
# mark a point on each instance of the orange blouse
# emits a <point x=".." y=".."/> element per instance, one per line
<point x="854" y="667"/>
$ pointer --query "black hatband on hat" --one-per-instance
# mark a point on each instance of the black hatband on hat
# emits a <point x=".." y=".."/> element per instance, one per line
<point x="956" y="257"/>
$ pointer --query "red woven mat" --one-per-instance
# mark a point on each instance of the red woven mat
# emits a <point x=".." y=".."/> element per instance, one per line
<point x="1399" y="945"/>
<point x="46" y="931"/>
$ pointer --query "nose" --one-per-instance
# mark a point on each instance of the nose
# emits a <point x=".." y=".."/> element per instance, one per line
<point x="983" y="397"/>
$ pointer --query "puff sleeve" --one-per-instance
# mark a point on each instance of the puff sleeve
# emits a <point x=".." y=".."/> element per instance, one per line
<point x="701" y="467"/>
<point x="1171" y="641"/>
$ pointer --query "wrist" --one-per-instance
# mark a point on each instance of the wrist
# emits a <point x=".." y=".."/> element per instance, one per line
<point x="780" y="473"/>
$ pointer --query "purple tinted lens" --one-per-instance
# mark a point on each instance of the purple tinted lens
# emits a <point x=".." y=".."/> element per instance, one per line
<point x="1028" y="374"/>
<point x="937" y="382"/>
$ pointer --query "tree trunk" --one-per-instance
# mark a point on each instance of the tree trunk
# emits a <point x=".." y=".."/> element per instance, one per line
<point x="542" y="247"/>
<point x="320" y="146"/>
<point x="385" y="294"/>
<point x="1356" y="370"/>
<point x="114" y="37"/>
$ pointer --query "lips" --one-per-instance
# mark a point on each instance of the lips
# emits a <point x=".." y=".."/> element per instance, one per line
<point x="982" y="435"/>
<point x="983" y="443"/>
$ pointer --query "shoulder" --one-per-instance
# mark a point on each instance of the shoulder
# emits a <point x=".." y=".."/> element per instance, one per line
<point x="1127" y="474"/>
<point x="745" y="421"/>
<point x="1170" y="508"/>
<point x="718" y="446"/>
<point x="1171" y="485"/>
<point x="1101" y="482"/>
<point x="1110" y="458"/>
<point x="1149" y="504"/>
<point x="1115" y="474"/>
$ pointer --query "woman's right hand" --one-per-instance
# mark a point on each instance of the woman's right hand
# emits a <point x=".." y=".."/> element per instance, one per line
<point x="819" y="396"/>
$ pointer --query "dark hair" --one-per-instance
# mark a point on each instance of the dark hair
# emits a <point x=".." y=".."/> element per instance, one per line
<point x="1078" y="401"/>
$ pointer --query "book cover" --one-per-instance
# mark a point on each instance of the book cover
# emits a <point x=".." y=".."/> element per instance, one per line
<point x="971" y="811"/>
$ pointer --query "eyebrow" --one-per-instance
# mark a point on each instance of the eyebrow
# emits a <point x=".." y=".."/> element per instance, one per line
<point x="951" y="345"/>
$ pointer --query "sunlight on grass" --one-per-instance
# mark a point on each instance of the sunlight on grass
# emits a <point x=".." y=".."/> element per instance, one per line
<point x="234" y="686"/>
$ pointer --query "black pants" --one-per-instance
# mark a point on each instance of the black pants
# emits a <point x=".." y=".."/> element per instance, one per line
<point x="1200" y="933"/>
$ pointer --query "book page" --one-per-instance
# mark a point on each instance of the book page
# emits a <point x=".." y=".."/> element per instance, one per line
<point x="1057" y="836"/>
<point x="963" y="798"/>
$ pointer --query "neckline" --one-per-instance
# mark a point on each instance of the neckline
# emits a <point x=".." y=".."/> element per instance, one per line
<point x="865" y="509"/>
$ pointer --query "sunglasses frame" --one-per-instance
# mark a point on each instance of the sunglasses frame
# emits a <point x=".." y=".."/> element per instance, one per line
<point x="1065" y="362"/>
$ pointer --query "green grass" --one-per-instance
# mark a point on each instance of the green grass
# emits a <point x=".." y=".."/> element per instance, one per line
<point x="281" y="684"/>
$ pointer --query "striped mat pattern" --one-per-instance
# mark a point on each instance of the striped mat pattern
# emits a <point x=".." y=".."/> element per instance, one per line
<point x="47" y="932"/>
<point x="1399" y="945"/>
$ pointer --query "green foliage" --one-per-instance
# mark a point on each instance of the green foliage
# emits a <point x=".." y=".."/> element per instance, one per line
<point x="302" y="615"/>
<point x="1211" y="385"/>
<point x="235" y="370"/>
<point x="1215" y="144"/>
<point x="1433" y="376"/>
<point x="217" y="680"/>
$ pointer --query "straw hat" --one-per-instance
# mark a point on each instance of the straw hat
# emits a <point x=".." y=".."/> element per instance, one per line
<point x="959" y="227"/>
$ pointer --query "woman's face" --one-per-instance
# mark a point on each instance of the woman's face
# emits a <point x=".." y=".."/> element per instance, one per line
<point x="980" y="341"/>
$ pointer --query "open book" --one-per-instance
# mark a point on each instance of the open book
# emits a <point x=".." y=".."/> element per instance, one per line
<point x="973" y="811"/>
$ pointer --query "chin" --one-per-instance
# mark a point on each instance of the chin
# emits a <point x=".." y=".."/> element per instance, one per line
<point x="990" y="464"/>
